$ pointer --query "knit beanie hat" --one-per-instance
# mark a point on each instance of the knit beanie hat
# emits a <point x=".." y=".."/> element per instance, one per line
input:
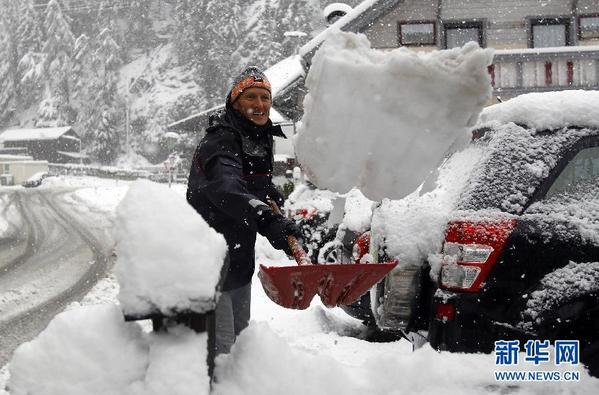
<point x="252" y="77"/>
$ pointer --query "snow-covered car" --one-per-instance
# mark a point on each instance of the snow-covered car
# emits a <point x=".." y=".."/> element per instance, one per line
<point x="505" y="244"/>
<point x="35" y="180"/>
<point x="310" y="208"/>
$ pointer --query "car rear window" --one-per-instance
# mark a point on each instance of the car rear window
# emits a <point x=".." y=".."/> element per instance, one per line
<point x="516" y="161"/>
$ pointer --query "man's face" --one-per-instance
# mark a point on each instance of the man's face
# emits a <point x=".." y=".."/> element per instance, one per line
<point x="254" y="103"/>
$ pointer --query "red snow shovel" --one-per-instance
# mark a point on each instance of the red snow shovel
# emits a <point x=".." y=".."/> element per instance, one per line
<point x="293" y="287"/>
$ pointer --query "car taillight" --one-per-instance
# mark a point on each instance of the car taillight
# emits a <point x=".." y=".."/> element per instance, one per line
<point x="361" y="247"/>
<point x="444" y="312"/>
<point x="304" y="213"/>
<point x="471" y="250"/>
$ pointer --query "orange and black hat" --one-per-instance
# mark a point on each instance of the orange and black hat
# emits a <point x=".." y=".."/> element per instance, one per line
<point x="252" y="77"/>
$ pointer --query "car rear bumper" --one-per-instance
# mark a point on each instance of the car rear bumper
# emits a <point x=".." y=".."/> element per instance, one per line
<point x="470" y="330"/>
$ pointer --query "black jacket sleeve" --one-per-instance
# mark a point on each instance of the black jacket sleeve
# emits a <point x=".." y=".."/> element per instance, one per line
<point x="219" y="158"/>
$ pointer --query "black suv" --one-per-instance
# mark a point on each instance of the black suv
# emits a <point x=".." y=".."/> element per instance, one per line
<point x="520" y="255"/>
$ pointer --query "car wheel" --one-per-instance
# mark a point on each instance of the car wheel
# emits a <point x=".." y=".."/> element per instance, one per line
<point x="331" y="252"/>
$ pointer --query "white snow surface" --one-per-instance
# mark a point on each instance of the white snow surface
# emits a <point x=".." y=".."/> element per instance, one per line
<point x="548" y="110"/>
<point x="381" y="121"/>
<point x="169" y="259"/>
<point x="91" y="350"/>
<point x="414" y="227"/>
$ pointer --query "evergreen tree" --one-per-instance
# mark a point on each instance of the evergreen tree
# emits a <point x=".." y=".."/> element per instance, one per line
<point x="104" y="120"/>
<point x="29" y="35"/>
<point x="8" y="58"/>
<point x="56" y="108"/>
<point x="105" y="143"/>
<point x="139" y="32"/>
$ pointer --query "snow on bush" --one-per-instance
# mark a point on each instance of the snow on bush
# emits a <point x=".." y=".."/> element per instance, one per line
<point x="92" y="350"/>
<point x="169" y="259"/>
<point x="548" y="110"/>
<point x="381" y="121"/>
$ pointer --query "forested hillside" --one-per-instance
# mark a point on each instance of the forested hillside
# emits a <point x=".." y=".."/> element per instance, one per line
<point x="100" y="65"/>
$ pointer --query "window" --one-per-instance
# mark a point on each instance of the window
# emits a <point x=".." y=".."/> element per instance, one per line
<point x="417" y="33"/>
<point x="580" y="173"/>
<point x="588" y="27"/>
<point x="459" y="33"/>
<point x="550" y="32"/>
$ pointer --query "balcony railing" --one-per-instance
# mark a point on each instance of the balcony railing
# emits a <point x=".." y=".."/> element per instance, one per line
<point x="544" y="69"/>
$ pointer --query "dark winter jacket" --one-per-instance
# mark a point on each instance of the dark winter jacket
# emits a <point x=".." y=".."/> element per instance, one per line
<point x="230" y="183"/>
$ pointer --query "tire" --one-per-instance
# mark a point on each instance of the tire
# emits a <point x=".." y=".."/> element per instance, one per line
<point x="331" y="252"/>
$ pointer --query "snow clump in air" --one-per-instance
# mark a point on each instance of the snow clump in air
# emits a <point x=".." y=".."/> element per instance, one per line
<point x="382" y="121"/>
<point x="169" y="259"/>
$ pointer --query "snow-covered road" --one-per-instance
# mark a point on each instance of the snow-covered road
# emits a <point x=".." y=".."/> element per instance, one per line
<point x="49" y="259"/>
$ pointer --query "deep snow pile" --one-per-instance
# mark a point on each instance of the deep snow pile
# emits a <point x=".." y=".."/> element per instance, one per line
<point x="157" y="230"/>
<point x="381" y="121"/>
<point x="548" y="110"/>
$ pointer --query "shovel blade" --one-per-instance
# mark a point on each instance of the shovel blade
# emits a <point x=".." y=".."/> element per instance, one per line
<point x="294" y="287"/>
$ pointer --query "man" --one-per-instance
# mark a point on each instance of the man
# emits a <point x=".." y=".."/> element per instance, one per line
<point x="230" y="185"/>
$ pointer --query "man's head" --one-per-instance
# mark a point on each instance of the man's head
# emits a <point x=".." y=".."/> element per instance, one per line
<point x="251" y="95"/>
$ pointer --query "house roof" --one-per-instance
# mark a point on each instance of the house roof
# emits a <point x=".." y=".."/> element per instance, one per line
<point x="34" y="134"/>
<point x="357" y="20"/>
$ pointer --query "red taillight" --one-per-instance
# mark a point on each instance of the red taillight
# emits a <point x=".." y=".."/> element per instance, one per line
<point x="361" y="247"/>
<point x="304" y="213"/>
<point x="471" y="250"/>
<point x="445" y="312"/>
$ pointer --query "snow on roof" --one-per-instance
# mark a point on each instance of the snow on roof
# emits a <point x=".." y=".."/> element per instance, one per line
<point x="284" y="73"/>
<point x="354" y="21"/>
<point x="15" y="158"/>
<point x="34" y="134"/>
<point x="548" y="110"/>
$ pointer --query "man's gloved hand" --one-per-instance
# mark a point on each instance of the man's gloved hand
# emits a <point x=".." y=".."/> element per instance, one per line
<point x="276" y="228"/>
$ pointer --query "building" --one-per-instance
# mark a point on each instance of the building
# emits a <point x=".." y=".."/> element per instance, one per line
<point x="541" y="45"/>
<point x="55" y="145"/>
<point x="15" y="169"/>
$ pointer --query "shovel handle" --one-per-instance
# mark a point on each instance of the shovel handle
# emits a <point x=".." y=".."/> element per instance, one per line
<point x="296" y="248"/>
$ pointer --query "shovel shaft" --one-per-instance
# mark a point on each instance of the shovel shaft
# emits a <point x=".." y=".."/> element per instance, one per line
<point x="296" y="248"/>
<point x="298" y="252"/>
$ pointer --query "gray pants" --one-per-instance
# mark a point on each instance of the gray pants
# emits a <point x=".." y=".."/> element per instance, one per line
<point x="232" y="315"/>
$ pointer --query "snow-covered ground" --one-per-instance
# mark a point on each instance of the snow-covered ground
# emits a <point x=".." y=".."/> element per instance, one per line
<point x="90" y="349"/>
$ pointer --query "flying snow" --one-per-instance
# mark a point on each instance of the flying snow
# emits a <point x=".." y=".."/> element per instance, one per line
<point x="382" y="121"/>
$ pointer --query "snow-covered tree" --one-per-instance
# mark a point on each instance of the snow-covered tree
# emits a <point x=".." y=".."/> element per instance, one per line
<point x="29" y="35"/>
<point x="139" y="32"/>
<point x="8" y="58"/>
<point x="105" y="144"/>
<point x="56" y="108"/>
<point x="296" y="16"/>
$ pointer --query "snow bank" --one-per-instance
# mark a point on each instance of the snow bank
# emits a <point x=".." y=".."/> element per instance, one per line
<point x="381" y="121"/>
<point x="548" y="110"/>
<point x="83" y="351"/>
<point x="169" y="259"/>
<point x="92" y="350"/>
<point x="261" y="362"/>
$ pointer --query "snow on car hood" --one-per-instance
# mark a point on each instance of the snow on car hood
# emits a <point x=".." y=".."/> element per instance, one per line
<point x="548" y="110"/>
